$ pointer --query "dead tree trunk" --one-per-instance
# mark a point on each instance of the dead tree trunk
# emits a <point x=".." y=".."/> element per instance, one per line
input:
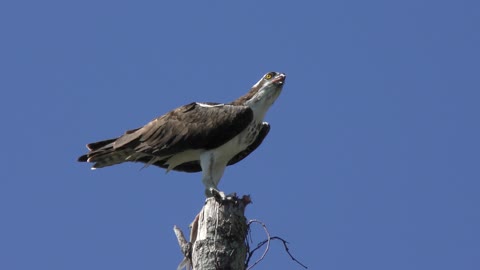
<point x="217" y="236"/>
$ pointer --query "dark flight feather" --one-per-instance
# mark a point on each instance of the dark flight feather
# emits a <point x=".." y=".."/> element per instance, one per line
<point x="181" y="129"/>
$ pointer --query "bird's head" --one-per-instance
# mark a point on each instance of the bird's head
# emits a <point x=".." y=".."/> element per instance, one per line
<point x="264" y="92"/>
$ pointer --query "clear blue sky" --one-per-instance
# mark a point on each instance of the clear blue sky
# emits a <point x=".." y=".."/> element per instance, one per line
<point x="372" y="162"/>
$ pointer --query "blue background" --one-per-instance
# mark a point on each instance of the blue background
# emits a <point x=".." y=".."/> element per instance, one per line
<point x="372" y="161"/>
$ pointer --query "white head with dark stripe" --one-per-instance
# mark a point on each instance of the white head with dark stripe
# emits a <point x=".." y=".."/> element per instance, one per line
<point x="264" y="93"/>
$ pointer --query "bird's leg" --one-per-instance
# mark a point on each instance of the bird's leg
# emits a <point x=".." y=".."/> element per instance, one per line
<point x="210" y="187"/>
<point x="212" y="170"/>
<point x="213" y="191"/>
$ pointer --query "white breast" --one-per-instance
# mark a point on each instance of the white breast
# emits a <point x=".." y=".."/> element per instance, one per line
<point x="239" y="143"/>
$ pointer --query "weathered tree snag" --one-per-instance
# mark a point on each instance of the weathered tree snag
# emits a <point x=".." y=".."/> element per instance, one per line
<point x="218" y="236"/>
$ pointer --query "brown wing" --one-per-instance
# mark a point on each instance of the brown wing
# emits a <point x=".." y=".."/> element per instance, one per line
<point x="194" y="166"/>
<point x="192" y="126"/>
<point x="189" y="127"/>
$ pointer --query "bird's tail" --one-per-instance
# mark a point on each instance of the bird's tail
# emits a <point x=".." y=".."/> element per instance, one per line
<point x="103" y="154"/>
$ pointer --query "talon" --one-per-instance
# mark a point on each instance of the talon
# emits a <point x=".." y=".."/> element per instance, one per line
<point x="219" y="195"/>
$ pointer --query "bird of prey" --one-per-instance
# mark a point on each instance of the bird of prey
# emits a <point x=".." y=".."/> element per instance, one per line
<point x="196" y="137"/>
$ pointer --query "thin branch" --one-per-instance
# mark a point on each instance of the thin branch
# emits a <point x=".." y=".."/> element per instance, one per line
<point x="267" y="241"/>
<point x="250" y="253"/>
<point x="288" y="251"/>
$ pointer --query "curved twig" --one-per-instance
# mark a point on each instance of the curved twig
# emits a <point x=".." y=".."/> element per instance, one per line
<point x="250" y="253"/>
<point x="267" y="241"/>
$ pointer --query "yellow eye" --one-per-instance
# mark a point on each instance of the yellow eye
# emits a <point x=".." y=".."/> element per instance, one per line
<point x="269" y="76"/>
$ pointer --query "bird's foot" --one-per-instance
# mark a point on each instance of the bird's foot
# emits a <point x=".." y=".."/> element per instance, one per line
<point x="220" y="195"/>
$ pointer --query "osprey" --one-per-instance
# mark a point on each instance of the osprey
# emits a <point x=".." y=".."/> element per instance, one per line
<point x="204" y="137"/>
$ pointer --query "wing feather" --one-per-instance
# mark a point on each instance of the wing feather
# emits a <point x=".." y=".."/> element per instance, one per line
<point x="188" y="127"/>
<point x="194" y="166"/>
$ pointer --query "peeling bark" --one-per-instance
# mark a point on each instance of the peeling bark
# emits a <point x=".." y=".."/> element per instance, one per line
<point x="218" y="236"/>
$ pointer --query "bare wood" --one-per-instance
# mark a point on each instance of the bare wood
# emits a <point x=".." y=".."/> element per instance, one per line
<point x="186" y="248"/>
<point x="218" y="235"/>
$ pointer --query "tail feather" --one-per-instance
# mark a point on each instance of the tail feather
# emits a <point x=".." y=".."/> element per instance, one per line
<point x="97" y="145"/>
<point x="97" y="148"/>
<point x="103" y="154"/>
<point x="83" y="158"/>
<point x="109" y="157"/>
<point x="115" y="151"/>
